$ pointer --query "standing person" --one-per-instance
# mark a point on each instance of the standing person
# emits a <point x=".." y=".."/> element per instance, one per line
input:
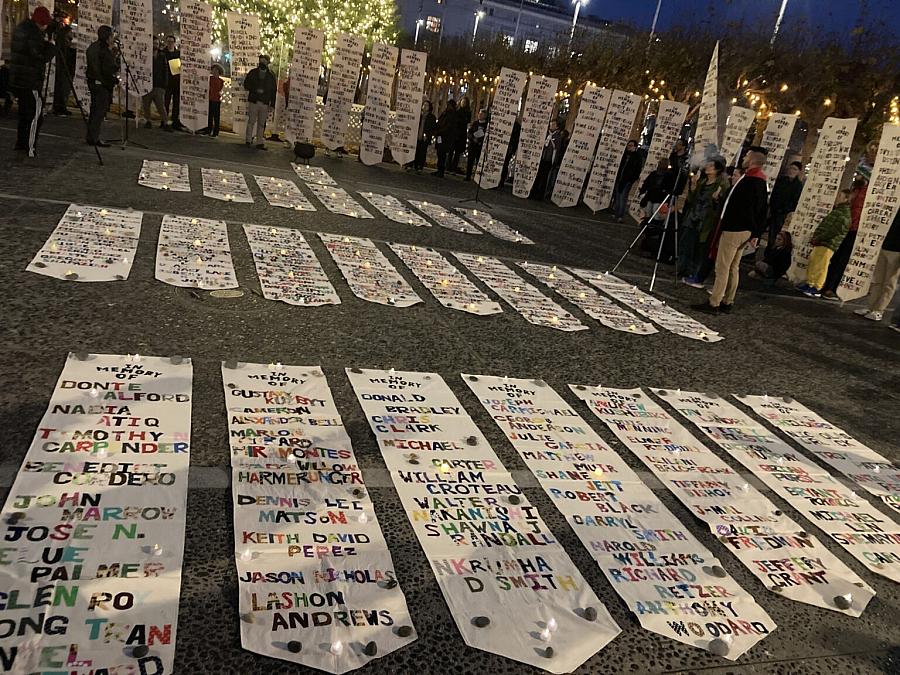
<point x="65" y="63"/>
<point x="476" y="133"/>
<point x="557" y="161"/>
<point x="427" y="125"/>
<point x="102" y="77"/>
<point x="445" y="136"/>
<point x="825" y="240"/>
<point x="548" y="158"/>
<point x="841" y="256"/>
<point x="511" y="150"/>
<point x="884" y="280"/>
<point x="710" y="247"/>
<point x="743" y="220"/>
<point x="29" y="53"/>
<point x="157" y="95"/>
<point x="629" y="171"/>
<point x="216" y="83"/>
<point x="702" y="208"/>
<point x="173" y="84"/>
<point x="261" y="91"/>
<point x="678" y="166"/>
<point x="655" y="189"/>
<point x="783" y="200"/>
<point x="463" y="119"/>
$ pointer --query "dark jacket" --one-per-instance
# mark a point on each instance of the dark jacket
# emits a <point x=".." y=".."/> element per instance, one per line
<point x="101" y="65"/>
<point x="892" y="238"/>
<point x="630" y="167"/>
<point x="160" y="70"/>
<point x="476" y="141"/>
<point x="779" y="259"/>
<point x="678" y="169"/>
<point x="746" y="205"/>
<point x="446" y="128"/>
<point x="427" y="125"/>
<point x="785" y="195"/>
<point x="29" y="54"/>
<point x="656" y="187"/>
<point x="463" y="118"/>
<point x="261" y="86"/>
<point x="173" y="80"/>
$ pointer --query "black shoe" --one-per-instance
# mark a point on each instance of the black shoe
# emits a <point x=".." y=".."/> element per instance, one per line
<point x="261" y="146"/>
<point x="725" y="308"/>
<point x="705" y="307"/>
<point x="99" y="144"/>
<point x="438" y="174"/>
<point x="248" y="143"/>
<point x="148" y="124"/>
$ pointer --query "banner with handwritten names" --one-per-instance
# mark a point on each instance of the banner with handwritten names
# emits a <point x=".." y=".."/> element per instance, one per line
<point x="194" y="253"/>
<point x="196" y="33"/>
<point x="775" y="139"/>
<point x="535" y="117"/>
<point x="338" y="201"/>
<point x="313" y="174"/>
<point x="707" y="133"/>
<point x="341" y="90"/>
<point x="227" y="186"/>
<point x="136" y="36"/>
<point x="382" y="68"/>
<point x="493" y="226"/>
<point x="511" y="587"/>
<point x="368" y="272"/>
<point x="535" y="307"/>
<point x="823" y="180"/>
<point x="284" y="193"/>
<point x="90" y="243"/>
<point x="445" y="217"/>
<point x="165" y="176"/>
<point x="616" y="133"/>
<point x="576" y="163"/>
<point x="304" y="74"/>
<point x="243" y="44"/>
<point x="287" y="268"/>
<point x="737" y="126"/>
<point x="879" y="211"/>
<point x="93" y="526"/>
<point x="408" y="105"/>
<point x="448" y="285"/>
<point x="669" y="124"/>
<point x="91" y="15"/>
<point x="393" y="209"/>
<point x="504" y="109"/>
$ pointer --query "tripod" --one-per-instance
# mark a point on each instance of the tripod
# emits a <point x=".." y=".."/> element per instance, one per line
<point x="485" y="146"/>
<point x="671" y="216"/>
<point x="84" y="116"/>
<point x="124" y="142"/>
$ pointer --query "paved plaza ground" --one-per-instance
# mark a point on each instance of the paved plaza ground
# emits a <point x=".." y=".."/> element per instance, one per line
<point x="776" y="342"/>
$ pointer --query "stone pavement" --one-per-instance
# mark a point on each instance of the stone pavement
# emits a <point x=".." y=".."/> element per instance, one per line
<point x="843" y="367"/>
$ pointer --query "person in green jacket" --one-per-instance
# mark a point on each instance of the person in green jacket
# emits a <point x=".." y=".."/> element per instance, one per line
<point x="701" y="213"/>
<point x="825" y="241"/>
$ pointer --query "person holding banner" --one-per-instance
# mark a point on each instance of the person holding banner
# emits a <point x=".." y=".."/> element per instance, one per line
<point x="173" y="86"/>
<point x="629" y="172"/>
<point x="476" y="133"/>
<point x="841" y="257"/>
<point x="102" y="70"/>
<point x="784" y="199"/>
<point x="445" y="136"/>
<point x="427" y="125"/>
<point x="885" y="278"/>
<point x="825" y="240"/>
<point x="29" y="53"/>
<point x="262" y="88"/>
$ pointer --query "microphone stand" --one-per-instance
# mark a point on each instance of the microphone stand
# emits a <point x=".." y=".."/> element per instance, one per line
<point x="127" y="115"/>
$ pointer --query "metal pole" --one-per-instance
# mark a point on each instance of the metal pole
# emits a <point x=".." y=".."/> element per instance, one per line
<point x="518" y="18"/>
<point x="574" y="21"/>
<point x="778" y="21"/>
<point x="655" y="17"/>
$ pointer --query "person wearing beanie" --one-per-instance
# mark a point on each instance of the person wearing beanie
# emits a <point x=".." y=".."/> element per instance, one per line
<point x="29" y="53"/>
<point x="102" y="77"/>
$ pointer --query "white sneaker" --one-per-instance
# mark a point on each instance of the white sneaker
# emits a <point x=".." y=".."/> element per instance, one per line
<point x="862" y="311"/>
<point x="873" y="316"/>
<point x="895" y="327"/>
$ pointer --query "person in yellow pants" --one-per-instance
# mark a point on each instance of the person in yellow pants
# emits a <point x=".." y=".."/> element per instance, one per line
<point x="825" y="241"/>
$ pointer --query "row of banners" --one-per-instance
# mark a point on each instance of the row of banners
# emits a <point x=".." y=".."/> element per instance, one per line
<point x="94" y="244"/>
<point x="110" y="459"/>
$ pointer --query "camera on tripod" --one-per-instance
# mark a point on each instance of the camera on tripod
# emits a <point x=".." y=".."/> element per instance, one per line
<point x="60" y="21"/>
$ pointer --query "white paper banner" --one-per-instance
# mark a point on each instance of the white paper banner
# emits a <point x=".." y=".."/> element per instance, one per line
<point x="194" y="253"/>
<point x="708" y="118"/>
<point x="447" y="284"/>
<point x="287" y="268"/>
<point x="879" y="210"/>
<point x="284" y="193"/>
<point x="136" y="35"/>
<point x="378" y="103"/>
<point x="494" y="227"/>
<point x="91" y="15"/>
<point x="634" y="538"/>
<point x="588" y="300"/>
<point x="480" y="534"/>
<point x="823" y="180"/>
<point x="90" y="243"/>
<point x="302" y="516"/>
<point x="305" y="67"/>
<point x="775" y="139"/>
<point x="243" y="44"/>
<point x="337" y="200"/>
<point x="368" y="273"/>
<point x="408" y="106"/>
<point x="535" y="307"/>
<point x="834" y="446"/>
<point x="445" y="217"/>
<point x="580" y="152"/>
<point x="93" y="529"/>
<point x="227" y="186"/>
<point x="535" y="117"/>
<point x="341" y="90"/>
<point x="814" y="492"/>
<point x="504" y="109"/>
<point x="617" y="128"/>
<point x="649" y="307"/>
<point x="669" y="123"/>
<point x="393" y="209"/>
<point x="313" y="174"/>
<point x="165" y="176"/>
<point x="196" y="33"/>
<point x="736" y="128"/>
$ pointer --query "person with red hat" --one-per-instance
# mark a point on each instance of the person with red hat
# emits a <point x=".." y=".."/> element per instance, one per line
<point x="29" y="53"/>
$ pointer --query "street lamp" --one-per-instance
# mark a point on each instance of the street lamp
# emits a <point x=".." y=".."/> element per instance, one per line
<point x="479" y="15"/>
<point x="578" y="4"/>
<point x="419" y="23"/>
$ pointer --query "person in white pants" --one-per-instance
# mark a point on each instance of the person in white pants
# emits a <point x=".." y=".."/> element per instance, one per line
<point x="261" y="89"/>
<point x="886" y="276"/>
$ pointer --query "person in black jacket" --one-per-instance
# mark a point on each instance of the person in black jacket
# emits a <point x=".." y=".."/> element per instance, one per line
<point x="743" y="220"/>
<point x="427" y="124"/>
<point x="445" y="136"/>
<point x="463" y="119"/>
<point x="476" y="133"/>
<point x="678" y="166"/>
<point x="29" y="53"/>
<point x="102" y="77"/>
<point x="261" y="91"/>
<point x="629" y="172"/>
<point x="65" y="63"/>
<point x="157" y="95"/>
<point x="173" y="83"/>
<point x="784" y="199"/>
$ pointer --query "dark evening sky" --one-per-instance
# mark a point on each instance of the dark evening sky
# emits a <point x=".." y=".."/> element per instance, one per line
<point x="830" y="15"/>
